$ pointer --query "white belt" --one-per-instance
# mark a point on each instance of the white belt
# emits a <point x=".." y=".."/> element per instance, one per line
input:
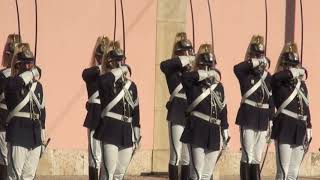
<point x="26" y="115"/>
<point x="206" y="117"/>
<point x="294" y="115"/>
<point x="94" y="98"/>
<point x="181" y="95"/>
<point x="118" y="117"/>
<point x="94" y="101"/>
<point x="255" y="104"/>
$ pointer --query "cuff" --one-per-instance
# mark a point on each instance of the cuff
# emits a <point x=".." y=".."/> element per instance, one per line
<point x="27" y="77"/>
<point x="202" y="74"/>
<point x="294" y="72"/>
<point x="117" y="73"/>
<point x="184" y="60"/>
<point x="255" y="62"/>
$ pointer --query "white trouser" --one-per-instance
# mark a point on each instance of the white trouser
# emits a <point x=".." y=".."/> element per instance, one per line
<point x="22" y="162"/>
<point x="202" y="162"/>
<point x="253" y="143"/>
<point x="179" y="153"/>
<point x="3" y="148"/>
<point x="94" y="151"/>
<point x="289" y="159"/>
<point x="115" y="161"/>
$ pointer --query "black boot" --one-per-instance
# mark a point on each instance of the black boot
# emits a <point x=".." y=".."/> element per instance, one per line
<point x="244" y="171"/>
<point x="173" y="172"/>
<point x="185" y="172"/>
<point x="93" y="173"/>
<point x="255" y="172"/>
<point x="3" y="172"/>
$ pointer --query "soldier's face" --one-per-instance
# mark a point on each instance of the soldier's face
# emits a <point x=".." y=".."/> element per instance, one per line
<point x="184" y="53"/>
<point x="114" y="64"/>
<point x="258" y="55"/>
<point x="24" y="66"/>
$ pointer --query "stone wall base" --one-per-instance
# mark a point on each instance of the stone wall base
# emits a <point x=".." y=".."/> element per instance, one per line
<point x="66" y="162"/>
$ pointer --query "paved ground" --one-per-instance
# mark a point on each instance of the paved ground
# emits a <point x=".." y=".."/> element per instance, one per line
<point x="146" y="178"/>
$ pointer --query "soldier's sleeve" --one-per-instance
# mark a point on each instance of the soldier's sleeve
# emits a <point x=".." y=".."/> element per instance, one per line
<point x="223" y="114"/>
<point x="14" y="84"/>
<point x="136" y="109"/>
<point x="242" y="69"/>
<point x="189" y="79"/>
<point x="309" y="125"/>
<point x="43" y="110"/>
<point x="90" y="74"/>
<point x="2" y="81"/>
<point x="272" y="108"/>
<point x="281" y="76"/>
<point x="170" y="66"/>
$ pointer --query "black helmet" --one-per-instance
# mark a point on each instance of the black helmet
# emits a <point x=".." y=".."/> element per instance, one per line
<point x="183" y="45"/>
<point x="102" y="47"/>
<point x="207" y="59"/>
<point x="25" y="56"/>
<point x="290" y="55"/>
<point x="256" y="47"/>
<point x="205" y="56"/>
<point x="116" y="55"/>
<point x="13" y="40"/>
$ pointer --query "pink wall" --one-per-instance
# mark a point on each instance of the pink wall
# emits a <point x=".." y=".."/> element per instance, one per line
<point x="234" y="24"/>
<point x="68" y="30"/>
<point x="67" y="34"/>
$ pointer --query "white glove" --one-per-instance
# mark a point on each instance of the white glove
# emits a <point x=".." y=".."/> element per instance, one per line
<point x="225" y="134"/>
<point x="100" y="69"/>
<point x="255" y="62"/>
<point x="268" y="137"/>
<point x="43" y="136"/>
<point x="213" y="74"/>
<point x="203" y="74"/>
<point x="297" y="72"/>
<point x="185" y="60"/>
<point x="118" y="72"/>
<point x="309" y="134"/>
<point x="137" y="137"/>
<point x="124" y="69"/>
<point x="35" y="73"/>
<point x="26" y="77"/>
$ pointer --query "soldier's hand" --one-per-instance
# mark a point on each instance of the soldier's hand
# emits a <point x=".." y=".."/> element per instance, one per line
<point x="36" y="72"/>
<point x="185" y="60"/>
<point x="125" y="69"/>
<point x="297" y="72"/>
<point x="309" y="134"/>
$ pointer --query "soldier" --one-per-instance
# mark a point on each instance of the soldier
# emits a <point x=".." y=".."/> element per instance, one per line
<point x="292" y="124"/>
<point x="26" y="120"/>
<point x="181" y="60"/>
<point x="91" y="76"/>
<point x="119" y="129"/>
<point x="256" y="107"/>
<point x="12" y="41"/>
<point x="207" y="114"/>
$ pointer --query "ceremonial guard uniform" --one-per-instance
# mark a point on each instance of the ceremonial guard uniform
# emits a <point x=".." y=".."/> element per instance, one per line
<point x="26" y="120"/>
<point x="91" y="77"/>
<point x="119" y="129"/>
<point x="177" y="105"/>
<point x="8" y="52"/>
<point x="292" y="124"/>
<point x="207" y="114"/>
<point x="256" y="108"/>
